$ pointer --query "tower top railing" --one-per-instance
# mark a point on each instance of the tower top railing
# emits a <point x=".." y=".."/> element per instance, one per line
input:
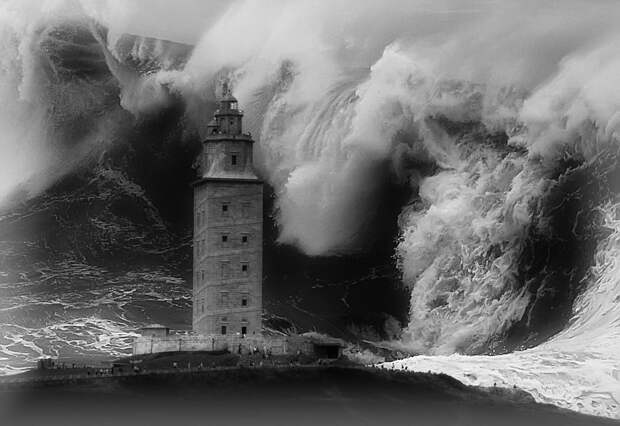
<point x="219" y="134"/>
<point x="220" y="112"/>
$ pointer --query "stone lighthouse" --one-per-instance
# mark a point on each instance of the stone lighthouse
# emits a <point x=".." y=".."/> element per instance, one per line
<point x="228" y="230"/>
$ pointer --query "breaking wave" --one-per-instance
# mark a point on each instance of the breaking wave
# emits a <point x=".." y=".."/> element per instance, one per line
<point x="578" y="368"/>
<point x="501" y="120"/>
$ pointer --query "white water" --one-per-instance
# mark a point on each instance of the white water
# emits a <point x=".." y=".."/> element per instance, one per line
<point x="579" y="368"/>
<point x="335" y="90"/>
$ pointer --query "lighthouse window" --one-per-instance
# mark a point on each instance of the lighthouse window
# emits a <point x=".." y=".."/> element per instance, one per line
<point x="225" y="209"/>
<point x="233" y="159"/>
<point x="244" y="267"/>
<point x="224" y="238"/>
<point x="244" y="330"/>
<point x="244" y="301"/>
<point x="225" y="269"/>
<point x="224" y="302"/>
<point x="245" y="210"/>
<point x="244" y="239"/>
<point x="223" y="329"/>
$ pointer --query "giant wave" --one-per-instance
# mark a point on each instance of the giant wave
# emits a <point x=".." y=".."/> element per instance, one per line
<point x="501" y="122"/>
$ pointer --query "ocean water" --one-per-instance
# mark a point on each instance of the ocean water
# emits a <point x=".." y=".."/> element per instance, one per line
<point x="77" y="313"/>
<point x="578" y="368"/>
<point x="503" y="150"/>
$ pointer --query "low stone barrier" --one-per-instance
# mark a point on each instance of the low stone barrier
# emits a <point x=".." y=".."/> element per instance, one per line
<point x="276" y="345"/>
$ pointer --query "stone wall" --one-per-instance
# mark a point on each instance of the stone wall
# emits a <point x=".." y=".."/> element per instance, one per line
<point x="227" y="296"/>
<point x="277" y="345"/>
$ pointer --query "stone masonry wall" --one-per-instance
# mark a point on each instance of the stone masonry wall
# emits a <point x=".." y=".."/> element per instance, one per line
<point x="228" y="258"/>
<point x="277" y="345"/>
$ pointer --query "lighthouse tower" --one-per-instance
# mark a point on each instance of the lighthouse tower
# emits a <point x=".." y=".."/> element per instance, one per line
<point x="228" y="230"/>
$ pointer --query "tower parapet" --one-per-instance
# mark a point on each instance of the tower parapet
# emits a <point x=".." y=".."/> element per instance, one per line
<point x="227" y="151"/>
